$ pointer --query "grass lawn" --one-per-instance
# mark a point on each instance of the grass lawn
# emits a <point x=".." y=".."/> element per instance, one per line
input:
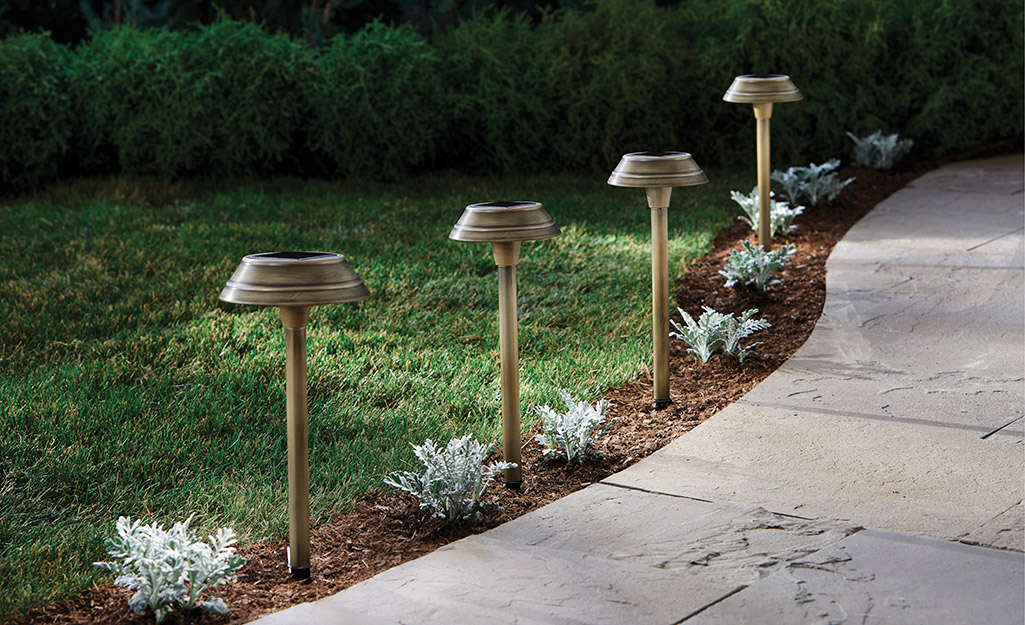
<point x="127" y="388"/>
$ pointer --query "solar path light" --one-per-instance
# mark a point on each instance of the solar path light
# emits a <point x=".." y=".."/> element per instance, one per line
<point x="657" y="173"/>
<point x="506" y="225"/>
<point x="762" y="90"/>
<point x="295" y="282"/>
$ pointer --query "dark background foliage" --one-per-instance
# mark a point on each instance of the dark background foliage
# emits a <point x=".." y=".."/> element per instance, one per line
<point x="173" y="89"/>
<point x="71" y="21"/>
<point x="34" y="109"/>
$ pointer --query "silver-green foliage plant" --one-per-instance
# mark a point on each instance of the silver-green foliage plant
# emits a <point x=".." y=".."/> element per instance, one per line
<point x="717" y="332"/>
<point x="702" y="336"/>
<point x="733" y="329"/>
<point x="572" y="431"/>
<point x="170" y="568"/>
<point x="812" y="184"/>
<point x="781" y="215"/>
<point x="754" y="266"/>
<point x="453" y="479"/>
<point x="878" y="151"/>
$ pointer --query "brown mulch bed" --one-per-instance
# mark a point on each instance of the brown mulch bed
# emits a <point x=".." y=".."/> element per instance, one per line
<point x="385" y="529"/>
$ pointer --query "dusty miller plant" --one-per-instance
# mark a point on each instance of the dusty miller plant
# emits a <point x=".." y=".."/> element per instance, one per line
<point x="714" y="332"/>
<point x="453" y="479"/>
<point x="170" y="568"/>
<point x="781" y="215"/>
<point x="733" y="329"/>
<point x="753" y="266"/>
<point x="811" y="184"/>
<point x="571" y="431"/>
<point x="878" y="151"/>
<point x="701" y="336"/>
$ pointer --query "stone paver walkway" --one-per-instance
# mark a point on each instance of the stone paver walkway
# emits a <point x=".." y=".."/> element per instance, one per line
<point x="877" y="477"/>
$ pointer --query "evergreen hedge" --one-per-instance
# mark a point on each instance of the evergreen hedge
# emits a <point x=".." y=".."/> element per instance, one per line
<point x="135" y="109"/>
<point x="35" y="111"/>
<point x="501" y="107"/>
<point x="377" y="103"/>
<point x="224" y="101"/>
<point x="250" y="88"/>
<point x="498" y="94"/>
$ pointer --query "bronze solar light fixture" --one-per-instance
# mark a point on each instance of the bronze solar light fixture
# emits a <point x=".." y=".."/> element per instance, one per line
<point x="295" y="282"/>
<point x="657" y="173"/>
<point x="762" y="90"/>
<point x="506" y="225"/>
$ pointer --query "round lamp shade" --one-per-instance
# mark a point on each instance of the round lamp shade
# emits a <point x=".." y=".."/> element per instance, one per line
<point x="294" y="279"/>
<point x="657" y="169"/>
<point x="504" y="221"/>
<point x="761" y="89"/>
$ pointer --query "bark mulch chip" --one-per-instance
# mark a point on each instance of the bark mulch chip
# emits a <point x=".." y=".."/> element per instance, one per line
<point x="386" y="529"/>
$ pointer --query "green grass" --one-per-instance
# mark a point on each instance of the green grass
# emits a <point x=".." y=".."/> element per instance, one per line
<point x="127" y="388"/>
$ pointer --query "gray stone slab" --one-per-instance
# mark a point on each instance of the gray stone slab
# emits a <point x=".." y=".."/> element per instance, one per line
<point x="670" y="533"/>
<point x="913" y="226"/>
<point x="324" y="612"/>
<point x="925" y="314"/>
<point x="918" y="228"/>
<point x="1005" y="531"/>
<point x="898" y="476"/>
<point x="876" y="578"/>
<point x="973" y="405"/>
<point x="1000" y="175"/>
<point x="1013" y="431"/>
<point x="602" y="555"/>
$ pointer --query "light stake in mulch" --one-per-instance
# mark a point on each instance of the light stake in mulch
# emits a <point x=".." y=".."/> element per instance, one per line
<point x="762" y="90"/>
<point x="506" y="225"/>
<point x="295" y="282"/>
<point x="657" y="173"/>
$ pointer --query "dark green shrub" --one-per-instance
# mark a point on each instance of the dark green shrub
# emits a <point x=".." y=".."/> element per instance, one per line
<point x="831" y="50"/>
<point x="224" y="101"/>
<point x="715" y="132"/>
<point x="942" y="73"/>
<point x="963" y="71"/>
<point x="379" y="103"/>
<point x="503" y="106"/>
<point x="35" y="111"/>
<point x="610" y="73"/>
<point x="136" y="107"/>
<point x="495" y="94"/>
<point x="248" y="87"/>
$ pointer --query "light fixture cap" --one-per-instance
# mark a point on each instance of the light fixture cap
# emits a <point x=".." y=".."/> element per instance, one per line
<point x="504" y="221"/>
<point x="294" y="279"/>
<point x="657" y="169"/>
<point x="761" y="89"/>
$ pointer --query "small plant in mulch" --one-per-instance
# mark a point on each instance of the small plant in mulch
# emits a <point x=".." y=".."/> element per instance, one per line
<point x="453" y="479"/>
<point x="717" y="332"/>
<point x="812" y="184"/>
<point x="570" y="434"/>
<point x="879" y="151"/>
<point x="171" y="568"/>
<point x="781" y="214"/>
<point x="753" y="266"/>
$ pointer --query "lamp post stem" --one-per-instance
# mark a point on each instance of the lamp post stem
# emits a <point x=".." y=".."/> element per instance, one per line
<point x="762" y="114"/>
<point x="295" y="319"/>
<point x="658" y="201"/>
<point x="506" y="256"/>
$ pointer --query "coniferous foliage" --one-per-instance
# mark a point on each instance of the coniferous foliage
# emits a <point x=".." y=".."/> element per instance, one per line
<point x="503" y="112"/>
<point x="377" y="103"/>
<point x="498" y="93"/>
<point x="249" y="86"/>
<point x="135" y="105"/>
<point x="35" y="109"/>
